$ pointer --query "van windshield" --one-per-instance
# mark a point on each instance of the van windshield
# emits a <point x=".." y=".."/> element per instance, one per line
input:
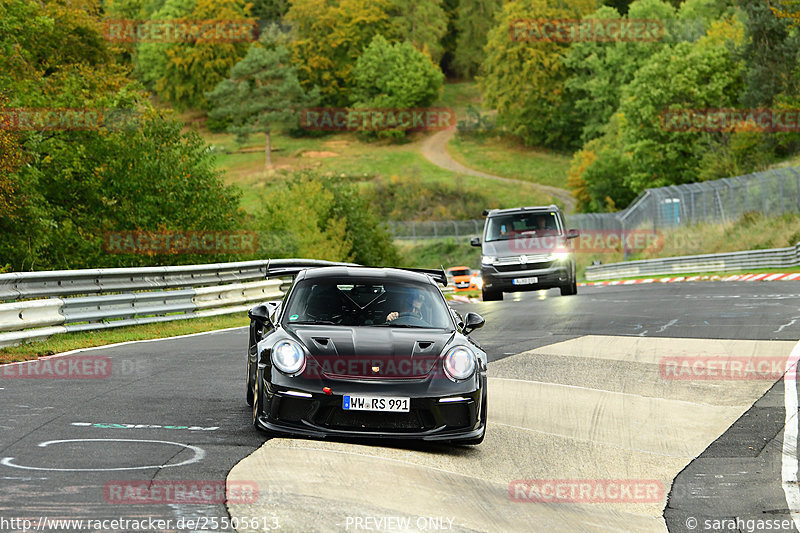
<point x="505" y="227"/>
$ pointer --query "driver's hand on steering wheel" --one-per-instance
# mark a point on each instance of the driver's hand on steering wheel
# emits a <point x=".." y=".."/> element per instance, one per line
<point x="392" y="316"/>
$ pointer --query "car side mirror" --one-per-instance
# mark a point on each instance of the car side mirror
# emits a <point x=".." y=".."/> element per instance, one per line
<point x="573" y="234"/>
<point x="473" y="322"/>
<point x="259" y="314"/>
<point x="475" y="241"/>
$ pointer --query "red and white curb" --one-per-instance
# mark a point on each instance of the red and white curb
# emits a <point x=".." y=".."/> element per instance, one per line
<point x="736" y="277"/>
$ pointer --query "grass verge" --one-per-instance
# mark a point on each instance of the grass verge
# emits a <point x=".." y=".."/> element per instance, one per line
<point x="503" y="157"/>
<point x="73" y="341"/>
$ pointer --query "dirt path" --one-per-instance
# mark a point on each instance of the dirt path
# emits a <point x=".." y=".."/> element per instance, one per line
<point x="434" y="148"/>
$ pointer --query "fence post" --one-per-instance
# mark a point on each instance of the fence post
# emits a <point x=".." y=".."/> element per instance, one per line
<point x="763" y="195"/>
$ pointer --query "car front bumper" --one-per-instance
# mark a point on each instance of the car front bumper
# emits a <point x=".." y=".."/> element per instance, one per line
<point x="557" y="275"/>
<point x="290" y="411"/>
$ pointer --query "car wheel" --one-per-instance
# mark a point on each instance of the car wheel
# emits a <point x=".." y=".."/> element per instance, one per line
<point x="569" y="290"/>
<point x="250" y="382"/>
<point x="491" y="296"/>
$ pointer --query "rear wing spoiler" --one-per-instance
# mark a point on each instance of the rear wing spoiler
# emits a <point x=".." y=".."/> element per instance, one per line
<point x="439" y="276"/>
<point x="281" y="271"/>
<point x="282" y="268"/>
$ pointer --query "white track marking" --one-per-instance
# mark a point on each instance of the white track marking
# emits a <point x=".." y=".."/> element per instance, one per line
<point x="668" y="324"/>
<point x="784" y="326"/>
<point x="199" y="454"/>
<point x="789" y="456"/>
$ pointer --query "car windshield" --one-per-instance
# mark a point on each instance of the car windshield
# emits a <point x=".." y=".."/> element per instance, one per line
<point x="348" y="302"/>
<point x="505" y="227"/>
<point x="462" y="272"/>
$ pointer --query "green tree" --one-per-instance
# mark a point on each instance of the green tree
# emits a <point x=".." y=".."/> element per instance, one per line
<point x="525" y="80"/>
<point x="395" y="75"/>
<point x="474" y="20"/>
<point x="771" y="53"/>
<point x="699" y="75"/>
<point x="182" y="72"/>
<point x="300" y="220"/>
<point x="423" y="22"/>
<point x="270" y="10"/>
<point x="601" y="70"/>
<point x="328" y="39"/>
<point x="262" y="91"/>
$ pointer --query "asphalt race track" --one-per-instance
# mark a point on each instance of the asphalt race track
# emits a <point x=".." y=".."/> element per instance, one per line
<point x="594" y="396"/>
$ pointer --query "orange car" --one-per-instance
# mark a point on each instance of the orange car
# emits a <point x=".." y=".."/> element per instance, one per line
<point x="462" y="278"/>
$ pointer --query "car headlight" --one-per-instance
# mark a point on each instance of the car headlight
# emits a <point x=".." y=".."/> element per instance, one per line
<point x="559" y="256"/>
<point x="459" y="363"/>
<point x="288" y="357"/>
<point x="488" y="259"/>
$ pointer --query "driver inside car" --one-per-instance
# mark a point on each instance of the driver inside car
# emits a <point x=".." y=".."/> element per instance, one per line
<point x="413" y="308"/>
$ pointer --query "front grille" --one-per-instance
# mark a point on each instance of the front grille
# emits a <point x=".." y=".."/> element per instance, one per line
<point x="372" y="421"/>
<point x="520" y="266"/>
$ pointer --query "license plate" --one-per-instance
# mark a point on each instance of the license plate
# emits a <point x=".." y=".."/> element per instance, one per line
<point x="525" y="281"/>
<point x="375" y="403"/>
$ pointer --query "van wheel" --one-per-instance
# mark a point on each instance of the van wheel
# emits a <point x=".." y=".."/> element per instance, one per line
<point x="491" y="296"/>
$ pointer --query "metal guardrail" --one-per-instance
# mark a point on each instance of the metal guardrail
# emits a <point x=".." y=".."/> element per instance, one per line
<point x="81" y="300"/>
<point x="753" y="259"/>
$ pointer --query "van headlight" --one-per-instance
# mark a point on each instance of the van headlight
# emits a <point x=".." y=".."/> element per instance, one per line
<point x="559" y="256"/>
<point x="459" y="363"/>
<point x="488" y="259"/>
<point x="288" y="357"/>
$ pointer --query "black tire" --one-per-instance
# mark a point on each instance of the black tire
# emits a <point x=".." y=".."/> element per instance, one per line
<point x="491" y="296"/>
<point x="569" y="290"/>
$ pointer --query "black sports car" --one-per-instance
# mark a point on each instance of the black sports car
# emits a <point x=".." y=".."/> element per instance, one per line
<point x="366" y="352"/>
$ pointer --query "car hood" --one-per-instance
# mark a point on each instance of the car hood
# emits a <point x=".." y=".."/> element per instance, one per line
<point x="372" y="352"/>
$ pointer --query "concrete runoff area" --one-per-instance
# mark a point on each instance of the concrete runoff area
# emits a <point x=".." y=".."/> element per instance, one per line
<point x="592" y="409"/>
